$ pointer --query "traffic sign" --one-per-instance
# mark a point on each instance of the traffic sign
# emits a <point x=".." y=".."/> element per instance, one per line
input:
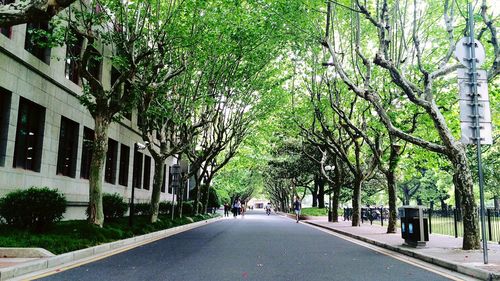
<point x="467" y="114"/>
<point x="462" y="52"/>
<point x="468" y="133"/>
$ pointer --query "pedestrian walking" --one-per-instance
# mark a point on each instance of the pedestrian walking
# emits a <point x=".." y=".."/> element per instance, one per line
<point x="243" y="209"/>
<point x="226" y="209"/>
<point x="236" y="207"/>
<point x="297" y="206"/>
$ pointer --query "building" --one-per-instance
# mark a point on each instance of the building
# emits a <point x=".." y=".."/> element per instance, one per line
<point x="44" y="130"/>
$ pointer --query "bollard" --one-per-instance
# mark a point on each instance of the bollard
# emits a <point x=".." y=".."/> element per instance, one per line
<point x="430" y="221"/>
<point x="382" y="216"/>
<point x="455" y="221"/>
<point x="488" y="212"/>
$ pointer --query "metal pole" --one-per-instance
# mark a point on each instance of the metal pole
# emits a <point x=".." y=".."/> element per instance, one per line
<point x="489" y="224"/>
<point x="173" y="201"/>
<point x="455" y="218"/>
<point x="475" y="112"/>
<point x="132" y="207"/>
<point x="382" y="216"/>
<point x="330" y="214"/>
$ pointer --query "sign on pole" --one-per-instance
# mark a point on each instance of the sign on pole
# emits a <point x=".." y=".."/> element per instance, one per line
<point x="475" y="119"/>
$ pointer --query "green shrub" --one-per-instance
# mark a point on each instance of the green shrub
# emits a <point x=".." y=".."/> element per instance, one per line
<point x="142" y="209"/>
<point x="35" y="208"/>
<point x="187" y="208"/>
<point x="165" y="207"/>
<point x="114" y="206"/>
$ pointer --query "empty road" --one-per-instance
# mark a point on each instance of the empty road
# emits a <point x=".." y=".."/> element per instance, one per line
<point x="256" y="247"/>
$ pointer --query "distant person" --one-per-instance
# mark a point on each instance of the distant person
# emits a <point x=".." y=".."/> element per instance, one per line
<point x="297" y="206"/>
<point x="236" y="207"/>
<point x="243" y="209"/>
<point x="268" y="208"/>
<point x="226" y="209"/>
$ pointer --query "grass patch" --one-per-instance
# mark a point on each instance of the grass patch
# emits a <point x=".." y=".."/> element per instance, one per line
<point x="314" y="212"/>
<point x="67" y="236"/>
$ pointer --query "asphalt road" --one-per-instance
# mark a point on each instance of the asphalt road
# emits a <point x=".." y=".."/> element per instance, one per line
<point x="256" y="247"/>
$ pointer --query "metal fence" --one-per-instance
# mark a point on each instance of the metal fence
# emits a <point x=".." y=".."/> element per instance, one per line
<point x="446" y="222"/>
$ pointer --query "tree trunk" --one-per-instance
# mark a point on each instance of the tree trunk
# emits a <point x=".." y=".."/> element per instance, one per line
<point x="335" y="203"/>
<point x="197" y="197"/>
<point x="356" y="202"/>
<point x="209" y="180"/>
<point x="99" y="149"/>
<point x="180" y="193"/>
<point x="458" y="192"/>
<point x="321" y="193"/>
<point x="314" y="192"/>
<point x="496" y="201"/>
<point x="406" y="198"/>
<point x="314" y="200"/>
<point x="463" y="180"/>
<point x="391" y="190"/>
<point x="157" y="183"/>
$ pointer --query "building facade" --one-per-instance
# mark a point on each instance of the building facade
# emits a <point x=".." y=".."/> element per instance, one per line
<point x="45" y="131"/>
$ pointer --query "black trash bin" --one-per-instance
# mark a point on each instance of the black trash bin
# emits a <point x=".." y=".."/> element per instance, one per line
<point x="414" y="225"/>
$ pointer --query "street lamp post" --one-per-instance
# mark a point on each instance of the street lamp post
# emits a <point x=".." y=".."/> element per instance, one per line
<point x="176" y="173"/>
<point x="137" y="147"/>
<point x="329" y="168"/>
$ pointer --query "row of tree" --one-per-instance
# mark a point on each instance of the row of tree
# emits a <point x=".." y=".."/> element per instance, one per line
<point x="197" y="72"/>
<point x="377" y="97"/>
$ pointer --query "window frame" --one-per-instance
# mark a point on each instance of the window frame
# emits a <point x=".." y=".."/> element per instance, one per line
<point x="34" y="48"/>
<point x="68" y="145"/>
<point x="5" y="104"/>
<point x="124" y="165"/>
<point x="111" y="162"/>
<point x="30" y="146"/>
<point x="137" y="170"/>
<point x="87" y="149"/>
<point x="147" y="172"/>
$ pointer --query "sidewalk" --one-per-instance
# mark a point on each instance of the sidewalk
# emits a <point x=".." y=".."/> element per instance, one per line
<point x="441" y="250"/>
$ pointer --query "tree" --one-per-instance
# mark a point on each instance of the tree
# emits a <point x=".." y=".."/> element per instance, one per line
<point x="125" y="34"/>
<point x="419" y="85"/>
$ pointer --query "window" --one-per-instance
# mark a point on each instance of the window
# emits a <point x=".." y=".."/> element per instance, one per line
<point x="94" y="65"/>
<point x="164" y="178"/>
<point x="36" y="41"/>
<point x="7" y="31"/>
<point x="139" y="120"/>
<point x="124" y="160"/>
<point x="74" y="47"/>
<point x="88" y="143"/>
<point x="111" y="156"/>
<point x="147" y="172"/>
<point x="115" y="74"/>
<point x="5" y="97"/>
<point x="137" y="171"/>
<point x="170" y="179"/>
<point x="29" y="136"/>
<point x="68" y="145"/>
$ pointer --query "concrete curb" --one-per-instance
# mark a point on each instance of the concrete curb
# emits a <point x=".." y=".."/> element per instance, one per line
<point x="474" y="272"/>
<point x="25" y="253"/>
<point x="78" y="255"/>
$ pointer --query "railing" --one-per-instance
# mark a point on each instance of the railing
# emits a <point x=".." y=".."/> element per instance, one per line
<point x="446" y="222"/>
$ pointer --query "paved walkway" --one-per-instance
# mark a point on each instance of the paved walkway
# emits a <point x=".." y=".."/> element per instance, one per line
<point x="441" y="250"/>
